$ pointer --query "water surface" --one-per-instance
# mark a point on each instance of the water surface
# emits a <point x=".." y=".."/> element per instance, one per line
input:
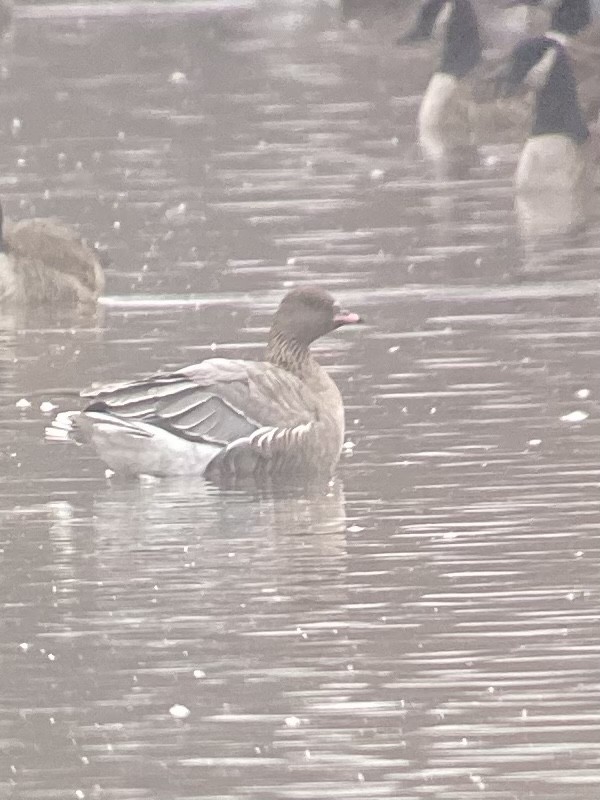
<point x="427" y="625"/>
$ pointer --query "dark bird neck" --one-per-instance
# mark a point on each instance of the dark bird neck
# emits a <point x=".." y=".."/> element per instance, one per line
<point x="289" y="354"/>
<point x="462" y="43"/>
<point x="557" y="108"/>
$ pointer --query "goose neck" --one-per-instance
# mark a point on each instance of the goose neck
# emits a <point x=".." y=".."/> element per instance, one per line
<point x="289" y="354"/>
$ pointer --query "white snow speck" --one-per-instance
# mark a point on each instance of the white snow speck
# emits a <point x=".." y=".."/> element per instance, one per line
<point x="24" y="647"/>
<point x="179" y="712"/>
<point x="23" y="403"/>
<point x="199" y="673"/>
<point x="534" y="442"/>
<point x="376" y="174"/>
<point x="292" y="722"/>
<point x="583" y="394"/>
<point x="355" y="529"/>
<point x="148" y="480"/>
<point x="176" y="211"/>
<point x="47" y="407"/>
<point x="178" y="78"/>
<point x="575" y="416"/>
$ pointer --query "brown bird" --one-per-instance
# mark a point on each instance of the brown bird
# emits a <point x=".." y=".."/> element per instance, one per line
<point x="281" y="416"/>
<point x="42" y="261"/>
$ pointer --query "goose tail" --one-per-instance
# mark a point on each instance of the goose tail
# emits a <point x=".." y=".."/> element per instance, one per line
<point x="78" y="426"/>
<point x="63" y="427"/>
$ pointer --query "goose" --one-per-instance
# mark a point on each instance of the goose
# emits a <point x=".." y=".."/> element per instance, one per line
<point x="571" y="23"/>
<point x="566" y="17"/>
<point x="555" y="164"/>
<point x="42" y="261"/>
<point x="444" y="120"/>
<point x="226" y="417"/>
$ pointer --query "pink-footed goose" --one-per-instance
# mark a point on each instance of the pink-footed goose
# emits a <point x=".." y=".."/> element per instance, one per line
<point x="281" y="416"/>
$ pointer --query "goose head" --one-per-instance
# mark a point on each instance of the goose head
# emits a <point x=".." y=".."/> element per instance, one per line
<point x="308" y="312"/>
<point x="567" y="17"/>
<point x="542" y="64"/>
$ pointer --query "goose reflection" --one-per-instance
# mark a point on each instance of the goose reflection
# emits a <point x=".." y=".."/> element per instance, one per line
<point x="186" y="529"/>
<point x="178" y="594"/>
<point x="546" y="215"/>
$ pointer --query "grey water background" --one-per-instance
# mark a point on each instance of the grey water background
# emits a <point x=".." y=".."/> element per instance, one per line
<point x="425" y="627"/>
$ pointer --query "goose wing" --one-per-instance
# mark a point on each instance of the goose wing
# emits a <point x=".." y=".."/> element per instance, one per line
<point x="218" y="401"/>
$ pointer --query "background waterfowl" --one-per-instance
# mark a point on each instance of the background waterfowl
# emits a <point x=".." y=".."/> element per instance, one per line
<point x="224" y="416"/>
<point x="556" y="160"/>
<point x="569" y="17"/>
<point x="571" y="23"/>
<point x="43" y="261"/>
<point x="444" y="122"/>
<point x="456" y="112"/>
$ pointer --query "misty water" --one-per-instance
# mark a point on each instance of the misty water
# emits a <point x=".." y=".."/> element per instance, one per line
<point x="425" y="626"/>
